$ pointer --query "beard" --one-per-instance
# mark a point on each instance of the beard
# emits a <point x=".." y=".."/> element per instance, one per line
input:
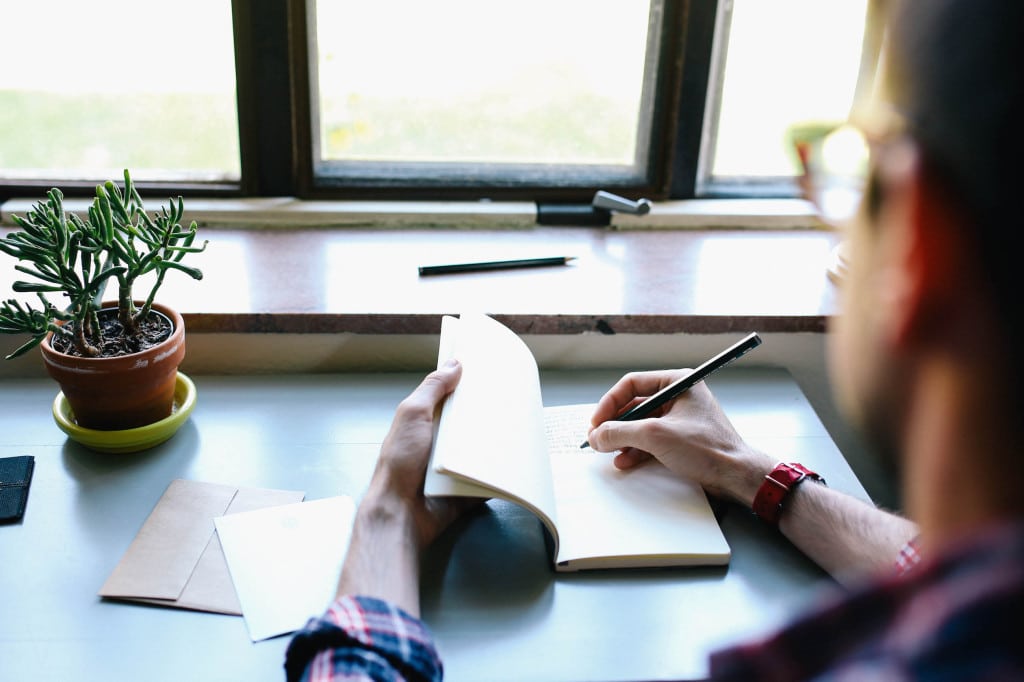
<point x="879" y="429"/>
<point x="877" y="409"/>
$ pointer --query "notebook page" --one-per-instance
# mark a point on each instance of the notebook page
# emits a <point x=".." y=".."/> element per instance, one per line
<point x="642" y="517"/>
<point x="491" y="429"/>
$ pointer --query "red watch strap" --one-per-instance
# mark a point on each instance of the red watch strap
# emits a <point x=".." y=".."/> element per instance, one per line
<point x="778" y="484"/>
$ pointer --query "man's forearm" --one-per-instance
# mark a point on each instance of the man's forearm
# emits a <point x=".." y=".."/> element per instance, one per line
<point x="844" y="535"/>
<point x="383" y="555"/>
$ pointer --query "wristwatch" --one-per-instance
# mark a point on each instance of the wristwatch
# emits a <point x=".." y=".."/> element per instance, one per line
<point x="778" y="484"/>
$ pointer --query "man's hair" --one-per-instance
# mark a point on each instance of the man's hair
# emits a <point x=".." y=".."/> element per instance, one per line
<point x="955" y="71"/>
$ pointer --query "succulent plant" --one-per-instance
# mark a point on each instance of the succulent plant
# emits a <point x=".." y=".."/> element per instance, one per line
<point x="64" y="254"/>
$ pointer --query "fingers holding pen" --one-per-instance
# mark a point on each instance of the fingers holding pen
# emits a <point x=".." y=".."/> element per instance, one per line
<point x="631" y="390"/>
<point x="678" y="421"/>
<point x="629" y="458"/>
<point x="635" y="440"/>
<point x="692" y="437"/>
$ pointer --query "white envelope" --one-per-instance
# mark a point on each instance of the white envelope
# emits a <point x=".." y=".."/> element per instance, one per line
<point x="285" y="561"/>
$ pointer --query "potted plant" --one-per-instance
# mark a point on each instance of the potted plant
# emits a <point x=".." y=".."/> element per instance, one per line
<point x="116" y="361"/>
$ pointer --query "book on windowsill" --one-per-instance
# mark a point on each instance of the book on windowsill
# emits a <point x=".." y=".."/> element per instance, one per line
<point x="495" y="439"/>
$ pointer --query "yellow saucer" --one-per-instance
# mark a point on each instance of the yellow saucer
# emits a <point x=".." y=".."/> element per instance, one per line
<point x="129" y="440"/>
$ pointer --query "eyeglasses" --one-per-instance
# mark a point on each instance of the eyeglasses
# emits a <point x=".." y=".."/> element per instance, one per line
<point x="835" y="159"/>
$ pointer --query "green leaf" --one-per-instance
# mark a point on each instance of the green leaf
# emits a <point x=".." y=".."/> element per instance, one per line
<point x="78" y="224"/>
<point x="28" y="287"/>
<point x="26" y="347"/>
<point x="194" y="273"/>
<point x="106" y="213"/>
<point x="38" y="274"/>
<point x="178" y="252"/>
<point x="108" y="273"/>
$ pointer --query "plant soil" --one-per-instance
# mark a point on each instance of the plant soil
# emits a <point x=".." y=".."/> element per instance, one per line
<point x="155" y="329"/>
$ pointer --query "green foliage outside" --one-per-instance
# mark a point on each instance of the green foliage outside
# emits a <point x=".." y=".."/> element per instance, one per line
<point x="492" y="127"/>
<point x="103" y="133"/>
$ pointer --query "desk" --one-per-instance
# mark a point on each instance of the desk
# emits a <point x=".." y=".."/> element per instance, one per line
<point x="498" y="611"/>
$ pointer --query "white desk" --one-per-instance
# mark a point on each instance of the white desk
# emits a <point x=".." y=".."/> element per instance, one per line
<point x="497" y="609"/>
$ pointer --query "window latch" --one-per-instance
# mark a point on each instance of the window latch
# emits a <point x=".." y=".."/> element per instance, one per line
<point x="613" y="202"/>
<point x="598" y="213"/>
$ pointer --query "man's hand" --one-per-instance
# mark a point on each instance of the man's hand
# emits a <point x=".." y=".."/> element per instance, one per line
<point x="691" y="436"/>
<point x="401" y="468"/>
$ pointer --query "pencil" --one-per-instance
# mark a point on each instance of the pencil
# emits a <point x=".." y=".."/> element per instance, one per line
<point x="678" y="387"/>
<point x="493" y="265"/>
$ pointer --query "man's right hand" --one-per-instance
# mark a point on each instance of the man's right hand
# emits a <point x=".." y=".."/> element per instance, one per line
<point x="691" y="436"/>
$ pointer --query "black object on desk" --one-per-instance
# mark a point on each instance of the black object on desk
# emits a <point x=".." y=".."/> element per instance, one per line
<point x="493" y="265"/>
<point x="15" y="478"/>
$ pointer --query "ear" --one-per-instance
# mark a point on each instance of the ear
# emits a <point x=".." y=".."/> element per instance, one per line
<point x="928" y="254"/>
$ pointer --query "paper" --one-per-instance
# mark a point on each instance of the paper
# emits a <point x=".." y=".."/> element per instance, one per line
<point x="608" y="517"/>
<point x="176" y="558"/>
<point x="285" y="561"/>
<point x="496" y="366"/>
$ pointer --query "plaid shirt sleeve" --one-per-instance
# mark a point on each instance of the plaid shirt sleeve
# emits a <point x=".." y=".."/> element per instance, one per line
<point x="909" y="557"/>
<point x="361" y="638"/>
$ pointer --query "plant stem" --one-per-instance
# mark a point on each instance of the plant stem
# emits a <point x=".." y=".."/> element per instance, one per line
<point x="126" y="309"/>
<point x="82" y="344"/>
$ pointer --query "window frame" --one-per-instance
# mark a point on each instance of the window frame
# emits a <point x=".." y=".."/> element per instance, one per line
<point x="476" y="181"/>
<point x="705" y="184"/>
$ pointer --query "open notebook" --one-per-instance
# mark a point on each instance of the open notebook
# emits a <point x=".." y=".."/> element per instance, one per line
<point x="496" y="439"/>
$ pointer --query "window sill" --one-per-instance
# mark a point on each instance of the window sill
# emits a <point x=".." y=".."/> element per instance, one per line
<point x="366" y="281"/>
<point x="351" y="299"/>
<point x="288" y="212"/>
<point x="639" y="276"/>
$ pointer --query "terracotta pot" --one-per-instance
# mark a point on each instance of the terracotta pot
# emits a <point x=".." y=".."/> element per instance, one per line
<point x="120" y="392"/>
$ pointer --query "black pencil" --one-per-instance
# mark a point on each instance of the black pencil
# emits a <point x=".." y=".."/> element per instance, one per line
<point x="676" y="388"/>
<point x="493" y="265"/>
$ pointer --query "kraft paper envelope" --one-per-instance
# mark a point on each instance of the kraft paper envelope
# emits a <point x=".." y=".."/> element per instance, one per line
<point x="176" y="559"/>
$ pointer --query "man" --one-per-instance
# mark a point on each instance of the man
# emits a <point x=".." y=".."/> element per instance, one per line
<point x="923" y="361"/>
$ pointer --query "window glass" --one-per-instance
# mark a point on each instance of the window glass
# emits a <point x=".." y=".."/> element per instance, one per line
<point x="90" y="88"/>
<point x="468" y="82"/>
<point x="779" y="63"/>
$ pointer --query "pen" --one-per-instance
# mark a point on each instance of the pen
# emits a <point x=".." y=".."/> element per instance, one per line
<point x="493" y="265"/>
<point x="676" y="388"/>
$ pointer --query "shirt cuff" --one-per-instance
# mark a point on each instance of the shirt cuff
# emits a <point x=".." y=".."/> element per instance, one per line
<point x="908" y="558"/>
<point x="363" y="635"/>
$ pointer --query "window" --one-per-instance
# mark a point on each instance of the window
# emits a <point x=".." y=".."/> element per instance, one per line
<point x="776" y="64"/>
<point x="90" y="88"/>
<point x="537" y="93"/>
<point x="544" y="100"/>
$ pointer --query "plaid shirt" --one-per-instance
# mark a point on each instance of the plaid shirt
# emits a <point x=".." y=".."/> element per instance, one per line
<point x="959" y="617"/>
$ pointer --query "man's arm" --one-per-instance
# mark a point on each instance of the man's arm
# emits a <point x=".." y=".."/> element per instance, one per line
<point x="395" y="521"/>
<point x="693" y="438"/>
<point x="844" y="535"/>
<point x="372" y="631"/>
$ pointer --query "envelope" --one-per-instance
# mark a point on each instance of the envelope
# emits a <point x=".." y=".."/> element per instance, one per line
<point x="285" y="561"/>
<point x="176" y="558"/>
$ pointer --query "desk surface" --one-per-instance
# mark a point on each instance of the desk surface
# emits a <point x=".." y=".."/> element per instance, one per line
<point x="497" y="609"/>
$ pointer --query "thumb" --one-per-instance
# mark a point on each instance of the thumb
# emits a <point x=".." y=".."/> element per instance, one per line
<point x="614" y="435"/>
